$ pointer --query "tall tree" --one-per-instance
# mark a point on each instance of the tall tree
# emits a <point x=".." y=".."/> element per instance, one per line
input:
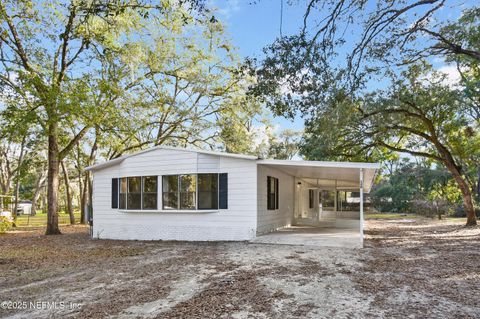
<point x="419" y="115"/>
<point x="68" y="192"/>
<point x="347" y="49"/>
<point x="284" y="145"/>
<point x="49" y="52"/>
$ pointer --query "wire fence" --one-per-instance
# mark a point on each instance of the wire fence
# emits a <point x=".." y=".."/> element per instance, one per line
<point x="40" y="219"/>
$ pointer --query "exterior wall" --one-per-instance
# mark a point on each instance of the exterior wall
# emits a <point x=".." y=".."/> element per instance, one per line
<point x="238" y="222"/>
<point x="270" y="220"/>
<point x="302" y="207"/>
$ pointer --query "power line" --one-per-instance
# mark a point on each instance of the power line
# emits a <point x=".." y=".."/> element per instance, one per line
<point x="281" y="17"/>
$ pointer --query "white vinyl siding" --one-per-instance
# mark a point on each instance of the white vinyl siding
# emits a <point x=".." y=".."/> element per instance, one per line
<point x="238" y="222"/>
<point x="270" y="220"/>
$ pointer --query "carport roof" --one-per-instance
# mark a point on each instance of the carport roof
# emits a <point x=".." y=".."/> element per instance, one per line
<point x="346" y="174"/>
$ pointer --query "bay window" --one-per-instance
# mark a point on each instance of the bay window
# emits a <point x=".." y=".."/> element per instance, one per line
<point x="134" y="196"/>
<point x="188" y="190"/>
<point x="207" y="191"/>
<point x="195" y="191"/>
<point x="123" y="193"/>
<point x="149" y="192"/>
<point x="179" y="192"/>
<point x="170" y="192"/>
<point x="138" y="192"/>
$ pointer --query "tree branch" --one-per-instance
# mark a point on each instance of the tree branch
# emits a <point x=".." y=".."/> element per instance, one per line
<point x="73" y="142"/>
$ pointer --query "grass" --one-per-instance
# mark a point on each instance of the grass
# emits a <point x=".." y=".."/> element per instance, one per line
<point x="383" y="216"/>
<point x="40" y="219"/>
<point x="389" y="216"/>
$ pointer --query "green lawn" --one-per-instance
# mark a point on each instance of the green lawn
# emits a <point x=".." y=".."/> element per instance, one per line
<point x="388" y="216"/>
<point x="40" y="219"/>
<point x="406" y="216"/>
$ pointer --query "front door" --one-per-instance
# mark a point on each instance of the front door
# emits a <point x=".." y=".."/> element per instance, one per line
<point x="306" y="206"/>
<point x="326" y="206"/>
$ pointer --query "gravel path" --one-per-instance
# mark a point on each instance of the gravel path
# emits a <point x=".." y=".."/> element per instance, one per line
<point x="409" y="269"/>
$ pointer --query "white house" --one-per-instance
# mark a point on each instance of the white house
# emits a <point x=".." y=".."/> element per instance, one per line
<point x="167" y="193"/>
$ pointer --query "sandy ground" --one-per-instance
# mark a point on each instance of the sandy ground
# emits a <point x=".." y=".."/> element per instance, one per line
<point x="409" y="269"/>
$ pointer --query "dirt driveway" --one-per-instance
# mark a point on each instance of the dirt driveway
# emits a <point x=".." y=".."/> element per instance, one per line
<point x="409" y="269"/>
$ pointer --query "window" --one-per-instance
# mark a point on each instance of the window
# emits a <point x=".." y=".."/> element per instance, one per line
<point x="348" y="201"/>
<point x="188" y="187"/>
<point x="195" y="191"/>
<point x="179" y="192"/>
<point x="170" y="192"/>
<point x="134" y="196"/>
<point x="272" y="193"/>
<point x="149" y="192"/>
<point x="135" y="192"/>
<point x="327" y="200"/>
<point x="310" y="198"/>
<point x="123" y="193"/>
<point x="114" y="192"/>
<point x="207" y="191"/>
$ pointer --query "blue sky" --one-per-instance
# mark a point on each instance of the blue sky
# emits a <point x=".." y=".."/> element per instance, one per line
<point x="254" y="26"/>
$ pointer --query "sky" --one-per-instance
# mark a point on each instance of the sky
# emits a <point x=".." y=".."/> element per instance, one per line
<point x="251" y="27"/>
<point x="254" y="26"/>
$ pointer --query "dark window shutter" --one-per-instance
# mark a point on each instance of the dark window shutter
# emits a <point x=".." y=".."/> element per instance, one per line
<point x="310" y="198"/>
<point x="114" y="192"/>
<point x="223" y="191"/>
<point x="269" y="191"/>
<point x="276" y="193"/>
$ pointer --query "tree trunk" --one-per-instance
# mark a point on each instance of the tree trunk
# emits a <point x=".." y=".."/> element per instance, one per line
<point x="478" y="183"/>
<point x="90" y="194"/>
<point x="467" y="196"/>
<point x="87" y="187"/>
<point x="52" y="186"/>
<point x="439" y="213"/>
<point x="81" y="201"/>
<point x="15" y="206"/>
<point x="17" y="180"/>
<point x="38" y="188"/>
<point x="84" y="198"/>
<point x="69" y="193"/>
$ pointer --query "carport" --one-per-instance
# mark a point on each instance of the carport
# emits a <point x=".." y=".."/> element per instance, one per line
<point x="329" y="202"/>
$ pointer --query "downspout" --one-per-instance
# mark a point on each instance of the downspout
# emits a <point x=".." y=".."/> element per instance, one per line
<point x="361" y="207"/>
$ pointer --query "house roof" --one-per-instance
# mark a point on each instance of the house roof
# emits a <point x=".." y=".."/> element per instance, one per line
<point x="328" y="175"/>
<point x="122" y="158"/>
<point x="321" y="173"/>
<point x="319" y="164"/>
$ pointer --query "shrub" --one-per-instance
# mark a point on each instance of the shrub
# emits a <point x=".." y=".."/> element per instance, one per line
<point x="430" y="208"/>
<point x="5" y="224"/>
<point x="459" y="211"/>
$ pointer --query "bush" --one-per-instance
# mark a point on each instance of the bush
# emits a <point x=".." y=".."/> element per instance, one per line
<point x="5" y="224"/>
<point x="393" y="199"/>
<point x="459" y="211"/>
<point x="430" y="208"/>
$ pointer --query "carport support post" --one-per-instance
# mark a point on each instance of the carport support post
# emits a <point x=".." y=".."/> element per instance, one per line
<point x="361" y="206"/>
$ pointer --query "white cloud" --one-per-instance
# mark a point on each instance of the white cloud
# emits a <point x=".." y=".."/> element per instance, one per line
<point x="452" y="74"/>
<point x="225" y="8"/>
<point x="261" y="133"/>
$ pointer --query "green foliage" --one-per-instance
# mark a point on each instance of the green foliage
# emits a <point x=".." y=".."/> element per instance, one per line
<point x="139" y="74"/>
<point x="108" y="78"/>
<point x="415" y="187"/>
<point x="5" y="224"/>
<point x="285" y="145"/>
